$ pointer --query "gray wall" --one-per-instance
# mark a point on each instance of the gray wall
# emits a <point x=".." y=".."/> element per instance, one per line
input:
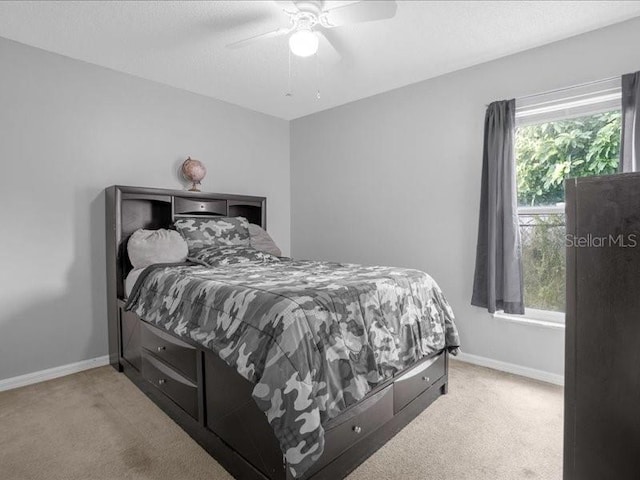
<point x="69" y="129"/>
<point x="395" y="179"/>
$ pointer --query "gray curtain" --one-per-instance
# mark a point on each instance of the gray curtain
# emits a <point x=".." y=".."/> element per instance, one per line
<point x="630" y="146"/>
<point x="497" y="283"/>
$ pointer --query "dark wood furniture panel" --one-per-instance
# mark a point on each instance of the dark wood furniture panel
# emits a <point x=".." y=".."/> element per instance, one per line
<point x="417" y="380"/>
<point x="213" y="444"/>
<point x="190" y="206"/>
<point x="221" y="401"/>
<point x="252" y="211"/>
<point x="359" y="452"/>
<point x="209" y="399"/>
<point x="178" y="388"/>
<point x="355" y="424"/>
<point x="130" y="327"/>
<point x="602" y="368"/>
<point x="241" y="468"/>
<point x="233" y="415"/>
<point x="179" y="355"/>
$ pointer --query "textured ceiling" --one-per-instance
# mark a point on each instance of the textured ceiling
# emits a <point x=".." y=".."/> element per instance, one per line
<point x="183" y="44"/>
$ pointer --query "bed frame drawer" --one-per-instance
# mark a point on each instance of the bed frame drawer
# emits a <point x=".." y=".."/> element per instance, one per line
<point x="417" y="380"/>
<point x="188" y="206"/>
<point x="178" y="388"/>
<point x="355" y="424"/>
<point x="178" y="354"/>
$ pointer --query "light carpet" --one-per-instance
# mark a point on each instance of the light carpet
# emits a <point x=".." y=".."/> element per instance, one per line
<point x="96" y="425"/>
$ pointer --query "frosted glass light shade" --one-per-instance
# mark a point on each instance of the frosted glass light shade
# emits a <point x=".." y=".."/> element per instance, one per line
<point x="303" y="43"/>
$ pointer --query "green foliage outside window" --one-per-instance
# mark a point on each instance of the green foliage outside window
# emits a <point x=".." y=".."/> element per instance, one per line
<point x="547" y="154"/>
<point x="543" y="261"/>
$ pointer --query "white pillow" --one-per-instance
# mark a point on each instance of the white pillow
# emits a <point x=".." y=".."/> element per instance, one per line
<point x="147" y="247"/>
<point x="131" y="279"/>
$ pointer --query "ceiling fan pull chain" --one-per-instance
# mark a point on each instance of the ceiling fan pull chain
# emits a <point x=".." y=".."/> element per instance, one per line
<point x="317" y="76"/>
<point x="289" y="94"/>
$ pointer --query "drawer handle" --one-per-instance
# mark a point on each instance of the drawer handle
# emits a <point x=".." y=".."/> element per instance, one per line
<point x="162" y="349"/>
<point x="162" y="381"/>
<point x="425" y="378"/>
<point x="357" y="429"/>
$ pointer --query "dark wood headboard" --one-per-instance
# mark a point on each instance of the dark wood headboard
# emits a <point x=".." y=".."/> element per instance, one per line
<point x="131" y="208"/>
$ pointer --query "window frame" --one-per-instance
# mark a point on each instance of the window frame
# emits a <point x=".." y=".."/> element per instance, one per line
<point x="551" y="316"/>
<point x="564" y="104"/>
<point x="572" y="102"/>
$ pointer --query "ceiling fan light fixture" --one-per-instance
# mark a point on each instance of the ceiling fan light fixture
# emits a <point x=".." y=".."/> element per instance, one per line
<point x="303" y="43"/>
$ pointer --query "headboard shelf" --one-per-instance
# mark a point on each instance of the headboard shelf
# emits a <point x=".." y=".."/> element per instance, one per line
<point x="131" y="208"/>
<point x="232" y="203"/>
<point x="144" y="196"/>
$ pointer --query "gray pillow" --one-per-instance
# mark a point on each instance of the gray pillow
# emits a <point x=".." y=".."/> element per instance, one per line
<point x="205" y="232"/>
<point x="260" y="240"/>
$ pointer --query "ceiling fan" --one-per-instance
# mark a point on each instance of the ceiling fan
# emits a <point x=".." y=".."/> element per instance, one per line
<point x="308" y="19"/>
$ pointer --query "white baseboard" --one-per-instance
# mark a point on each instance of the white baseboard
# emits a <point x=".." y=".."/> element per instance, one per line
<point x="51" y="373"/>
<point x="511" y="368"/>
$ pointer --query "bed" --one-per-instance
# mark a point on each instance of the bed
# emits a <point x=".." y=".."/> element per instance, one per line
<point x="279" y="368"/>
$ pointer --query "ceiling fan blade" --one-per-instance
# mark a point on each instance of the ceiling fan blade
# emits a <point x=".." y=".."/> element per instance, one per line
<point x="287" y="5"/>
<point x="330" y="50"/>
<point x="365" y="11"/>
<point x="256" y="38"/>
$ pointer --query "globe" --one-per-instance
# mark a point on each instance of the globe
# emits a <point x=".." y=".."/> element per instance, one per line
<point x="194" y="171"/>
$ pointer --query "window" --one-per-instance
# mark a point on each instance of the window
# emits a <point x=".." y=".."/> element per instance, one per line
<point x="573" y="133"/>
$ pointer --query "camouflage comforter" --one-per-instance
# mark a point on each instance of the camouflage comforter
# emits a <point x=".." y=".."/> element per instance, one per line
<point x="313" y="337"/>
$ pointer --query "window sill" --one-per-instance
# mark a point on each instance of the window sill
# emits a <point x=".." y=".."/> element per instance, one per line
<point x="524" y="320"/>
